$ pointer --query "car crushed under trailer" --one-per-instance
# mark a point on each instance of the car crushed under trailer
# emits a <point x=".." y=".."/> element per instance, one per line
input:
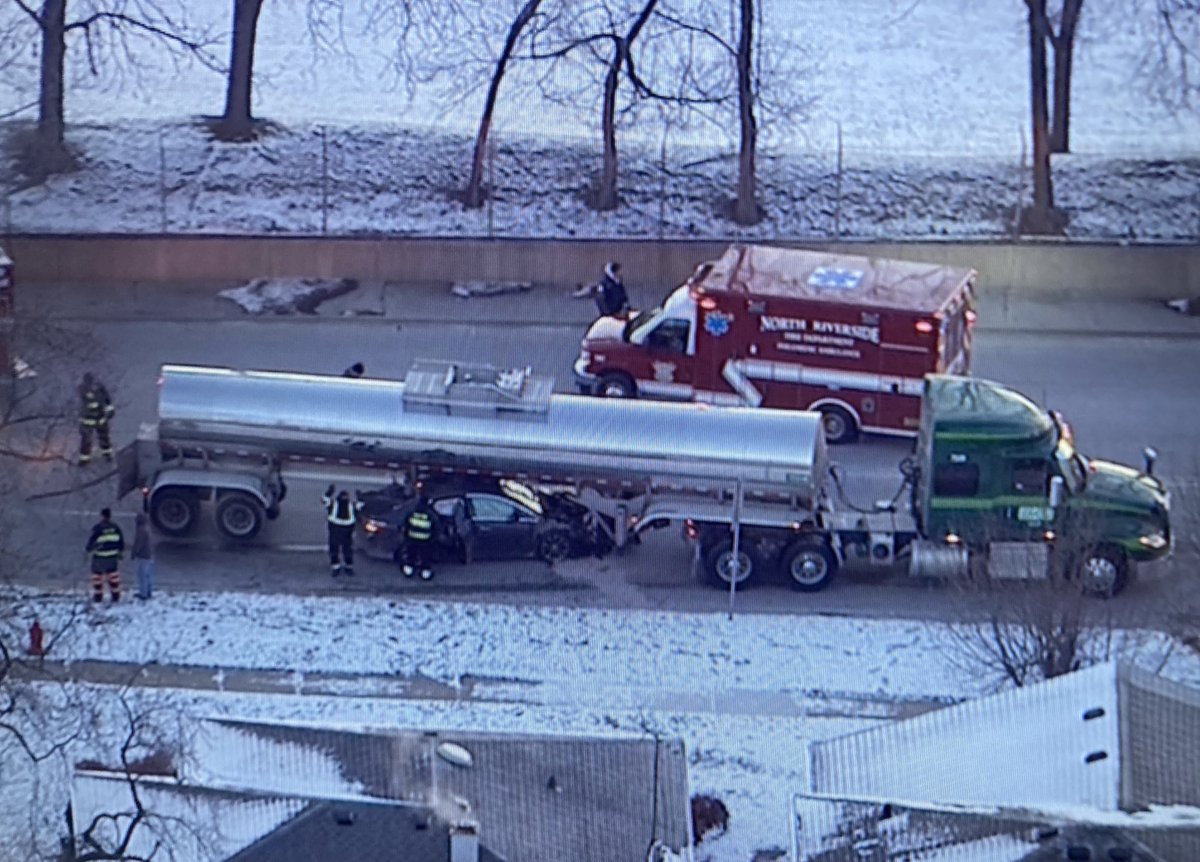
<point x="994" y="475"/>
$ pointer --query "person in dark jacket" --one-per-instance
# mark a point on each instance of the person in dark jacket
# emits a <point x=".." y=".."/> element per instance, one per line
<point x="464" y="530"/>
<point x="143" y="557"/>
<point x="611" y="298"/>
<point x="418" y="539"/>
<point x="106" y="544"/>
<point x="95" y="412"/>
<point x="341" y="514"/>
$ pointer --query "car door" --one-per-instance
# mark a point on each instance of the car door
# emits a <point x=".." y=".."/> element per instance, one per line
<point x="505" y="530"/>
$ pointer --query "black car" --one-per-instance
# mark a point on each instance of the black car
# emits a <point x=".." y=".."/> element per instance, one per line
<point x="511" y="521"/>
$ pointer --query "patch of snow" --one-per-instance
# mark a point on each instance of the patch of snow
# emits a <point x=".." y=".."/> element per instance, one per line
<point x="286" y="295"/>
<point x="467" y="289"/>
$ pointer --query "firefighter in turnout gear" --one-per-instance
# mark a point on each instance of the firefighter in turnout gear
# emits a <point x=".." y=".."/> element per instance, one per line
<point x="106" y="544"/>
<point x="341" y="513"/>
<point x="95" y="411"/>
<point x="418" y="539"/>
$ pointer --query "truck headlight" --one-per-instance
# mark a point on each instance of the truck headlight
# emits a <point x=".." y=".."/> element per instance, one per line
<point x="1154" y="541"/>
<point x="372" y="526"/>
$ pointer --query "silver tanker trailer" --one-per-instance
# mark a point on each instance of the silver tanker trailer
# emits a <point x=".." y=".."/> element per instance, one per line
<point x="750" y="484"/>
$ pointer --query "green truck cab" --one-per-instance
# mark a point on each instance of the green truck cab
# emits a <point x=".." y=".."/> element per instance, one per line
<point x="993" y="468"/>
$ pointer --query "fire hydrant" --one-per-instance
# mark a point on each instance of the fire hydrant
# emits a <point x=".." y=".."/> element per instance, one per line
<point x="35" y="639"/>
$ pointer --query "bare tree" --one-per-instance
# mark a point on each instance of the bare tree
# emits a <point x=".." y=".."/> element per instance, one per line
<point x="237" y="123"/>
<point x="1062" y="41"/>
<point x="473" y="194"/>
<point x="746" y="209"/>
<point x="1042" y="217"/>
<point x="1173" y="53"/>
<point x="106" y="30"/>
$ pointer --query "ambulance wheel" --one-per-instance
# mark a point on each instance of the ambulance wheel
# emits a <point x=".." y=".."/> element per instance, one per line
<point x="840" y="426"/>
<point x="810" y="564"/>
<point x="720" y="568"/>
<point x="174" y="511"/>
<point x="239" y="516"/>
<point x="616" y="385"/>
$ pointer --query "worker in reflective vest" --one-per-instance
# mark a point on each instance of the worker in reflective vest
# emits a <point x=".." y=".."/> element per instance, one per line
<point x="418" y="539"/>
<point x="95" y="411"/>
<point x="341" y="514"/>
<point x="106" y="544"/>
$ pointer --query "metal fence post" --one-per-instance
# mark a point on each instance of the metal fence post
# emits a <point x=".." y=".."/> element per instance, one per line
<point x="491" y="182"/>
<point x="837" y="206"/>
<point x="162" y="180"/>
<point x="324" y="182"/>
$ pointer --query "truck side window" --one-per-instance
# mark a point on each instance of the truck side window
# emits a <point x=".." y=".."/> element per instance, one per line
<point x="1029" y="476"/>
<point x="671" y="334"/>
<point x="956" y="480"/>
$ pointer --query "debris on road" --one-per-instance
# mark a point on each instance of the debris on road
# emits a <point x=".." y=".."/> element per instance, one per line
<point x="288" y="295"/>
<point x="1190" y="307"/>
<point x="467" y="289"/>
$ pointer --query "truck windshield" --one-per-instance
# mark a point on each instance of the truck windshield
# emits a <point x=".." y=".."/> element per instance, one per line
<point x="1070" y="464"/>
<point x="637" y="321"/>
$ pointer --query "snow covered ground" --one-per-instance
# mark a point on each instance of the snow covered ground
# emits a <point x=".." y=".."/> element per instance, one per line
<point x="931" y="101"/>
<point x="746" y="695"/>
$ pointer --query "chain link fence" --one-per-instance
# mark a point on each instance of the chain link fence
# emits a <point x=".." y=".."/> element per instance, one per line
<point x="347" y="181"/>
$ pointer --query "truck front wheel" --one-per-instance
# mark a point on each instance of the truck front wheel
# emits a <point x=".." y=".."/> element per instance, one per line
<point x="840" y="426"/>
<point x="174" y="511"/>
<point x="616" y="385"/>
<point x="810" y="564"/>
<point x="1103" y="571"/>
<point x="239" y="515"/>
<point x="721" y="567"/>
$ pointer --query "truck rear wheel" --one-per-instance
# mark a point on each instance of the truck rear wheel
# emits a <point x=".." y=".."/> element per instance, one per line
<point x="720" y="568"/>
<point x="616" y="385"/>
<point x="174" y="511"/>
<point x="840" y="426"/>
<point x="810" y="564"/>
<point x="239" y="515"/>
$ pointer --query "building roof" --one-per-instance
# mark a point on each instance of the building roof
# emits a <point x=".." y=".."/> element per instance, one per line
<point x="924" y="288"/>
<point x="1108" y="751"/>
<point x="534" y="797"/>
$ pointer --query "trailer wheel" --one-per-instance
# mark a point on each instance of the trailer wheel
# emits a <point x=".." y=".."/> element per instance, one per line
<point x="1102" y="571"/>
<point x="553" y="545"/>
<point x="810" y="564"/>
<point x="721" y="570"/>
<point x="239" y="515"/>
<point x="840" y="426"/>
<point x="174" y="511"/>
<point x="616" y="385"/>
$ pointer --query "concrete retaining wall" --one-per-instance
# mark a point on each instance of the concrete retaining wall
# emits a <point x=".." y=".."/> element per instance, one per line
<point x="1030" y="269"/>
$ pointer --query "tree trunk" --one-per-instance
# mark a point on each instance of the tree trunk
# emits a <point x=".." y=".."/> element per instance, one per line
<point x="237" y="123"/>
<point x="1040" y="217"/>
<point x="473" y="195"/>
<point x="606" y="191"/>
<point x="1064" y="56"/>
<point x="51" y="120"/>
<point x="745" y="210"/>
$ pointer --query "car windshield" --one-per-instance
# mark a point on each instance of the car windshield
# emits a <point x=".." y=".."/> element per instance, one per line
<point x="637" y="321"/>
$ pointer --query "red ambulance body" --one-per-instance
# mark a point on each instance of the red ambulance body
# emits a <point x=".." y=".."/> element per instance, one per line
<point x="849" y="336"/>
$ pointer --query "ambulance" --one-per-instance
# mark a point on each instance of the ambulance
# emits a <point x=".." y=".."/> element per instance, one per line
<point x="850" y="337"/>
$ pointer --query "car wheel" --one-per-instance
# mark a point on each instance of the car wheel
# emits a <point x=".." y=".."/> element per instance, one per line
<point x="616" y="385"/>
<point x="722" y="569"/>
<point x="840" y="426"/>
<point x="810" y="564"/>
<point x="553" y="546"/>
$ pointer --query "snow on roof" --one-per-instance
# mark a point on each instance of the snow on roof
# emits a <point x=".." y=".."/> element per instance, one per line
<point x="1110" y="745"/>
<point x="830" y="277"/>
<point x="195" y="823"/>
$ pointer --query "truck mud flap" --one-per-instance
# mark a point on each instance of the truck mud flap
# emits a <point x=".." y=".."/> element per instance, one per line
<point x="127" y="470"/>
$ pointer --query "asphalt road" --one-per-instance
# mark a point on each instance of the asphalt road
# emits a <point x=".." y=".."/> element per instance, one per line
<point x="1120" y="394"/>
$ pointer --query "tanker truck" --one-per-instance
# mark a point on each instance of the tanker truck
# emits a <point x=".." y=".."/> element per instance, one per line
<point x="995" y="481"/>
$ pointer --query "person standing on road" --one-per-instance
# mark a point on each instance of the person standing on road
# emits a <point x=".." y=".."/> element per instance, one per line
<point x="106" y="544"/>
<point x="341" y="514"/>
<point x="612" y="299"/>
<point x="95" y="411"/>
<point x="418" y="539"/>
<point x="464" y="530"/>
<point x="143" y="557"/>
